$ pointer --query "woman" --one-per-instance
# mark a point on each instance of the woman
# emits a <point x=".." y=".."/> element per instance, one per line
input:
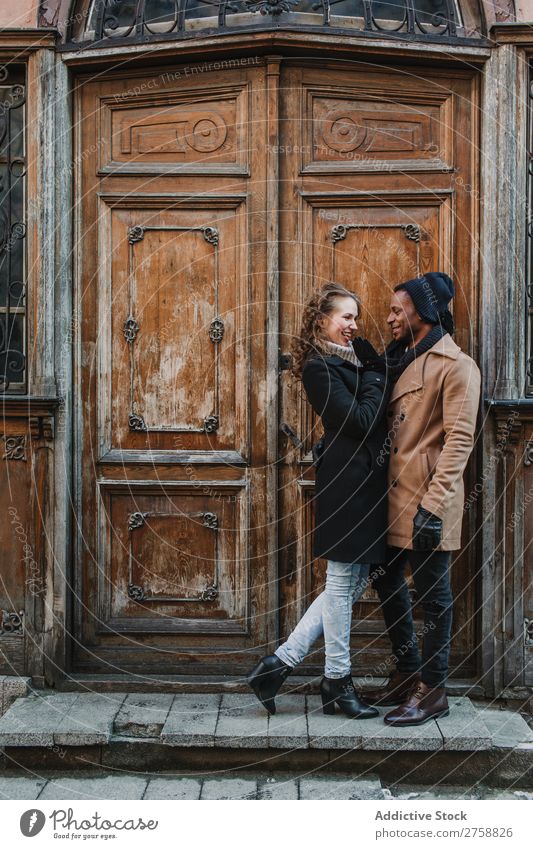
<point x="350" y="496"/>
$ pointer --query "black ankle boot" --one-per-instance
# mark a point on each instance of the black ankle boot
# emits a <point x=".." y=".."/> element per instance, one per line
<point x="266" y="679"/>
<point x="341" y="691"/>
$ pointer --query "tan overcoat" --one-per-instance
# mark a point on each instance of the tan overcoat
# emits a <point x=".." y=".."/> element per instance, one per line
<point x="431" y="420"/>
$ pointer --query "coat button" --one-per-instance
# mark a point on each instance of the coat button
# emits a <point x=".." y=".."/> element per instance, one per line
<point x="402" y="416"/>
<point x="395" y="450"/>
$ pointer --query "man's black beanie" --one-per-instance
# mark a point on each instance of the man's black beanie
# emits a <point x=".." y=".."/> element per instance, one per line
<point x="431" y="293"/>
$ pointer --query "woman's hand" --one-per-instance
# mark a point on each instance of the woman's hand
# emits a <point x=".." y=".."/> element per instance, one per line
<point x="368" y="355"/>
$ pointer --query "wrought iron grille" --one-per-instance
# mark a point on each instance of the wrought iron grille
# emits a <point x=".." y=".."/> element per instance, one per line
<point x="146" y="19"/>
<point x="529" y="232"/>
<point x="12" y="228"/>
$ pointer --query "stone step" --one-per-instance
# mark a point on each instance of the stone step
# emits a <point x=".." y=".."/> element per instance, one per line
<point x="168" y="730"/>
<point x="71" y="787"/>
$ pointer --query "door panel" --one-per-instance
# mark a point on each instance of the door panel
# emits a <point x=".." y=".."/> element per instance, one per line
<point x="177" y="559"/>
<point x="176" y="515"/>
<point x="177" y="337"/>
<point x="369" y="198"/>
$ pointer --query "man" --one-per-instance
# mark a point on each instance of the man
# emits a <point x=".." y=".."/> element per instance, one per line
<point x="431" y="415"/>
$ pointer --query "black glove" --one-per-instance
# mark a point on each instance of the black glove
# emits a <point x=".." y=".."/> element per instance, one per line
<point x="368" y="355"/>
<point x="427" y="530"/>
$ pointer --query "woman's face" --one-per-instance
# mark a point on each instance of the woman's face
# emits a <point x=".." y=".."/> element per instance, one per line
<point x="340" y="325"/>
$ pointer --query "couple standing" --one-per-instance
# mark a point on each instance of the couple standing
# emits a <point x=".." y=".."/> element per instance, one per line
<point x="412" y="410"/>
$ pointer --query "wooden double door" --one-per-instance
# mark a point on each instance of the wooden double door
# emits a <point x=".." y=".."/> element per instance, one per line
<point x="210" y="204"/>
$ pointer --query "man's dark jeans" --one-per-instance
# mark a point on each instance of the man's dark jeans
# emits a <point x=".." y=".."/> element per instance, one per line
<point x="431" y="578"/>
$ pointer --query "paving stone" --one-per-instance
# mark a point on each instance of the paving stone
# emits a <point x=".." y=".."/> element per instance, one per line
<point x="89" y="722"/>
<point x="506" y="728"/>
<point x="143" y="714"/>
<point x="21" y="788"/>
<point x="511" y="795"/>
<point x="287" y="729"/>
<point x="173" y="788"/>
<point x="192" y="720"/>
<point x="341" y="788"/>
<point x="242" y="722"/>
<point x="376" y="736"/>
<point x="31" y="721"/>
<point x="278" y="788"/>
<point x="440" y="791"/>
<point x="331" y="732"/>
<point x="229" y="788"/>
<point x="464" y="729"/>
<point x="16" y="685"/>
<point x="109" y="787"/>
<point x="12" y="687"/>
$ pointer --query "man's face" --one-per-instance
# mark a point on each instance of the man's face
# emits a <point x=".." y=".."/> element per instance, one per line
<point x="403" y="319"/>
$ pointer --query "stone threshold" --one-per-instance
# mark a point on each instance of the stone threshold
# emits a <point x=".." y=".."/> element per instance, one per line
<point x="304" y="684"/>
<point x="227" y="730"/>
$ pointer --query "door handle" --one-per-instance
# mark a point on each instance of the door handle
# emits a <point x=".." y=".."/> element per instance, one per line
<point x="288" y="431"/>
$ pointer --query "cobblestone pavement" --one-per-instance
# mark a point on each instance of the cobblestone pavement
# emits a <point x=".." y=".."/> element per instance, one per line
<point x="70" y="786"/>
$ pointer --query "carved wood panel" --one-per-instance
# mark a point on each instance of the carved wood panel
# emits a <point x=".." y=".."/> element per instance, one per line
<point x="174" y="558"/>
<point x="174" y="132"/>
<point x="355" y="131"/>
<point x="25" y="450"/>
<point x="172" y="348"/>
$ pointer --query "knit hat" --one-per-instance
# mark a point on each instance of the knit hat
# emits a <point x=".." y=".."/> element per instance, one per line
<point x="431" y="293"/>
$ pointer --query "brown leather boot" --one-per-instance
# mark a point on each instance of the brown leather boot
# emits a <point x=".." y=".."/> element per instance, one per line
<point x="424" y="703"/>
<point x="395" y="691"/>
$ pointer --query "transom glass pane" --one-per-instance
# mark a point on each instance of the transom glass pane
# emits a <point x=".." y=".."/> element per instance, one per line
<point x="129" y="17"/>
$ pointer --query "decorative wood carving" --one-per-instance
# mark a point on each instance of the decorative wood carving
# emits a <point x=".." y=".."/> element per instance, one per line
<point x="15" y="447"/>
<point x="12" y="623"/>
<point x="175" y="131"/>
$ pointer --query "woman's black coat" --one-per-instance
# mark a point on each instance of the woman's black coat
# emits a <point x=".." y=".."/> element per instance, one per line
<point x="351" y="480"/>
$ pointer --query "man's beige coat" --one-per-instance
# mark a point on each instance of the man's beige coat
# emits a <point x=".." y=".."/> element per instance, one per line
<point x="431" y="421"/>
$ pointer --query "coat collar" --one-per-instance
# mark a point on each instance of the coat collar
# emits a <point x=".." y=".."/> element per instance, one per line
<point x="334" y="360"/>
<point x="413" y="376"/>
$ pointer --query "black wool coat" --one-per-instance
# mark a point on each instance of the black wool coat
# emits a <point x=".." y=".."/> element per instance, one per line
<point x="350" y="499"/>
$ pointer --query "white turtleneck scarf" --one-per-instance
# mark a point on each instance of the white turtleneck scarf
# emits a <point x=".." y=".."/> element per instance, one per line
<point x="344" y="351"/>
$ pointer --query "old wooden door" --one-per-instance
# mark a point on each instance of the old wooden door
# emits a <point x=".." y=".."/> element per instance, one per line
<point x="378" y="182"/>
<point x="175" y="491"/>
<point x="182" y="217"/>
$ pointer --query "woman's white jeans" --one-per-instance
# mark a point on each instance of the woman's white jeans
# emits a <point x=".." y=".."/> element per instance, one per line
<point x="330" y="614"/>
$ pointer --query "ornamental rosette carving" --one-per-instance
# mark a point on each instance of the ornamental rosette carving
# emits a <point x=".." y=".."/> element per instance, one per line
<point x="271" y="7"/>
<point x="15" y="447"/>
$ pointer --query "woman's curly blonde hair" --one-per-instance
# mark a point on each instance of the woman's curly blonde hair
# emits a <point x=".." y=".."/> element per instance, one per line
<point x="309" y="342"/>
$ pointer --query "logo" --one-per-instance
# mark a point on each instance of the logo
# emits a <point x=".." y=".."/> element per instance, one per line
<point x="32" y="822"/>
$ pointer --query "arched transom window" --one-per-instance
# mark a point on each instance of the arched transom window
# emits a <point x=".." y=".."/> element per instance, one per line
<point x="148" y="19"/>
